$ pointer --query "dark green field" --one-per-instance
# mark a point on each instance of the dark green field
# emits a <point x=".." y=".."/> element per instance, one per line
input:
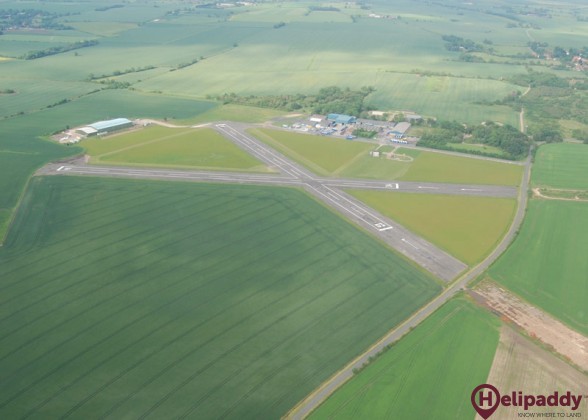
<point x="547" y="264"/>
<point x="428" y="375"/>
<point x="123" y="298"/>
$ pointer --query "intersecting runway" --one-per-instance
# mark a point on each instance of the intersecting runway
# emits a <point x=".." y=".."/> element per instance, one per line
<point x="327" y="190"/>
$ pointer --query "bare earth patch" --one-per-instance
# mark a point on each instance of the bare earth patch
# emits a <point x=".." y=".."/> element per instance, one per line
<point x="521" y="365"/>
<point x="570" y="344"/>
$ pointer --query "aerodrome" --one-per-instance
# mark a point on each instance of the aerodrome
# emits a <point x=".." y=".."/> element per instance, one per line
<point x="327" y="190"/>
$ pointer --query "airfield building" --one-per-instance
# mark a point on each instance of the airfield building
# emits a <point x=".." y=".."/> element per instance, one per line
<point x="103" y="127"/>
<point x="341" y="118"/>
<point x="400" y="130"/>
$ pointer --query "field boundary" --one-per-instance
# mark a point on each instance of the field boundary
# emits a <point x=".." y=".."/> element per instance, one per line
<point x="543" y="193"/>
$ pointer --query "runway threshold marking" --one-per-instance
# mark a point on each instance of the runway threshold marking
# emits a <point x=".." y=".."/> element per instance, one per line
<point x="382" y="226"/>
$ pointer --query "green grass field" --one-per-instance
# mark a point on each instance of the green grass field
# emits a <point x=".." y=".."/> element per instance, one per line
<point x="468" y="228"/>
<point x="562" y="165"/>
<point x="547" y="263"/>
<point x="172" y="147"/>
<point x="323" y="155"/>
<point x="330" y="156"/>
<point x="440" y="167"/>
<point x="428" y="374"/>
<point x="123" y="298"/>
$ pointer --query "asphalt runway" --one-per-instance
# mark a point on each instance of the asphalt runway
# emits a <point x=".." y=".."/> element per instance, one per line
<point x="327" y="190"/>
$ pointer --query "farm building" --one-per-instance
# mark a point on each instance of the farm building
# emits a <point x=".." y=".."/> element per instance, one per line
<point x="103" y="127"/>
<point x="341" y="118"/>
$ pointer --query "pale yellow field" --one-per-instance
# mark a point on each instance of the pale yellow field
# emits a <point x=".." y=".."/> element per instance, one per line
<point x="521" y="365"/>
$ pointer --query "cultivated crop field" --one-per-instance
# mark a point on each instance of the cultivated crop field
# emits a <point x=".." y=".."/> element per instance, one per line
<point x="562" y="165"/>
<point x="468" y="228"/>
<point x="123" y="298"/>
<point x="547" y="263"/>
<point x="521" y="364"/>
<point x="337" y="157"/>
<point x="431" y="370"/>
<point x="172" y="147"/>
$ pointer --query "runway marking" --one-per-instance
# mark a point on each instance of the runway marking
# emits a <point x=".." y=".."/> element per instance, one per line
<point x="60" y="168"/>
<point x="382" y="226"/>
<point x="470" y="189"/>
<point x="406" y="242"/>
<point x="428" y="188"/>
<point x="359" y="216"/>
<point x="393" y="186"/>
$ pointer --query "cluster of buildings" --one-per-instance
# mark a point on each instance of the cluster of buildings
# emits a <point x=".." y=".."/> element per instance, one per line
<point x="345" y="125"/>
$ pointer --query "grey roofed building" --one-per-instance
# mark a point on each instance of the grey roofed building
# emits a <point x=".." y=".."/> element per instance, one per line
<point x="111" y="125"/>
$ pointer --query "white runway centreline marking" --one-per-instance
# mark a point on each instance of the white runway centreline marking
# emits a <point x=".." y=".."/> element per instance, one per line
<point x="470" y="189"/>
<point x="428" y="188"/>
<point x="406" y="242"/>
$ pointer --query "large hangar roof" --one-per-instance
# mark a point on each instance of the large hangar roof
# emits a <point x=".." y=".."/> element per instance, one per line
<point x="103" y="125"/>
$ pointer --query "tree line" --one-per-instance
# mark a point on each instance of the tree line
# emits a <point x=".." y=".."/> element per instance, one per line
<point x="330" y="99"/>
<point x="32" y="55"/>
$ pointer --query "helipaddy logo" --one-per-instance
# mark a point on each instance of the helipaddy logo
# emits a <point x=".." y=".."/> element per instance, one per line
<point x="486" y="399"/>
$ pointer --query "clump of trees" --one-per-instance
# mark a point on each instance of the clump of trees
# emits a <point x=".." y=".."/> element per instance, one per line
<point x="367" y="134"/>
<point x="456" y="43"/>
<point x="548" y="132"/>
<point x="511" y="141"/>
<point x="30" y="18"/>
<point x="535" y="79"/>
<point x="330" y="99"/>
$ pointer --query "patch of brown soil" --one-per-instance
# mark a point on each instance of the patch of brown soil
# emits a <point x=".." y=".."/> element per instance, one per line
<point x="572" y="345"/>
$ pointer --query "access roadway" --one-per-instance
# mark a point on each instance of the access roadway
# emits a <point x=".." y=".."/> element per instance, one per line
<point x="327" y="190"/>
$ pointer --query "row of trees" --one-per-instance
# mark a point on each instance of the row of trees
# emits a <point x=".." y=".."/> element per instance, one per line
<point x="330" y="99"/>
<point x="58" y="50"/>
